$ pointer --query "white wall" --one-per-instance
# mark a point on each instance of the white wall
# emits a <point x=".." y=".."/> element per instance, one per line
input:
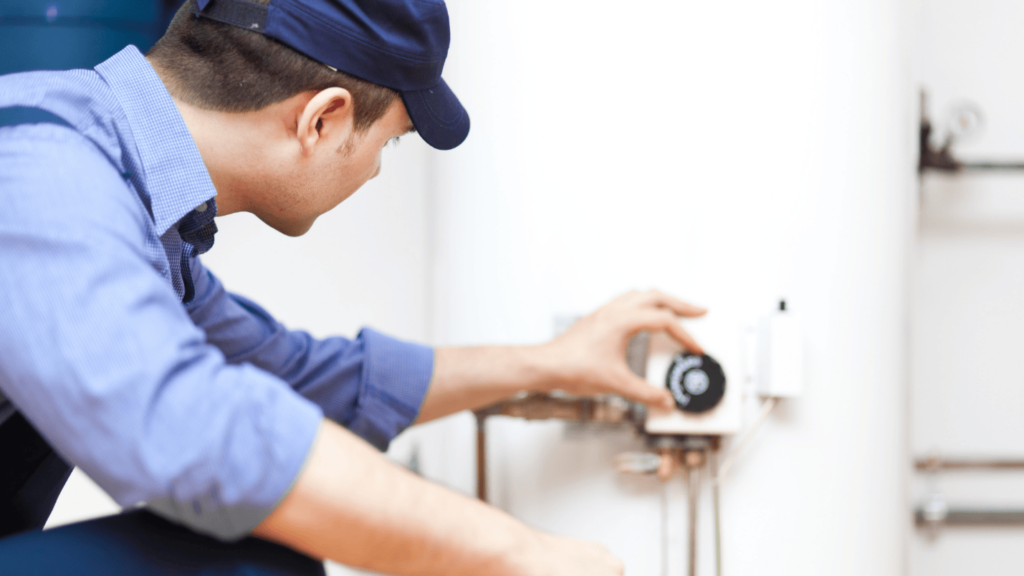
<point x="731" y="153"/>
<point x="968" y="281"/>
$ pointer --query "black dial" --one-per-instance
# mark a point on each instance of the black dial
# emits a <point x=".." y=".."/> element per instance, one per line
<point x="697" y="382"/>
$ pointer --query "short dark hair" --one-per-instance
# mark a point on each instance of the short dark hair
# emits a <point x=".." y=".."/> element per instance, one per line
<point x="220" y="67"/>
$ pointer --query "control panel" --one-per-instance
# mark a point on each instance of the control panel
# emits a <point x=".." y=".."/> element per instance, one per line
<point x="707" y="402"/>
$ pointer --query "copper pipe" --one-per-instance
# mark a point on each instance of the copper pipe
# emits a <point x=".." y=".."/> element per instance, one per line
<point x="539" y="406"/>
<point x="667" y="466"/>
<point x="481" y="457"/>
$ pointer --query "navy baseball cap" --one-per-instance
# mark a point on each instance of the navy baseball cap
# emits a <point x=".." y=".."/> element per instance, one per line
<point x="398" y="44"/>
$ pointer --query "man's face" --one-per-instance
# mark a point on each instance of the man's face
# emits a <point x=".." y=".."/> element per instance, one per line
<point x="339" y="165"/>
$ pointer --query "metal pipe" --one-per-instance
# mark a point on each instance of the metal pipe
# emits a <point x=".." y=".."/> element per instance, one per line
<point x="539" y="406"/>
<point x="936" y="464"/>
<point x="665" y="545"/>
<point x="991" y="166"/>
<point x="481" y="457"/>
<point x="942" y="159"/>
<point x="713" y="464"/>
<point x="971" y="517"/>
<point x="693" y="493"/>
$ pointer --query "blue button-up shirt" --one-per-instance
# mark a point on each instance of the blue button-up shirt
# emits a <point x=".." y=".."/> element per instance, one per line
<point x="125" y="353"/>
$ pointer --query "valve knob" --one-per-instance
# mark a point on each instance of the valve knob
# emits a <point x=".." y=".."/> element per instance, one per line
<point x="696" y="381"/>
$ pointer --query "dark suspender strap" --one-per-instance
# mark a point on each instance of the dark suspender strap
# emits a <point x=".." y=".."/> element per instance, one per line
<point x="31" y="477"/>
<point x="241" y="13"/>
<point x="23" y="115"/>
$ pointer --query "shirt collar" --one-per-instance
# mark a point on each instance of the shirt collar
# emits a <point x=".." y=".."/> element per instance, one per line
<point x="174" y="172"/>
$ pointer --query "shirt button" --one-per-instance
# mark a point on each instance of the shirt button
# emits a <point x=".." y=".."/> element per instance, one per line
<point x="201" y="208"/>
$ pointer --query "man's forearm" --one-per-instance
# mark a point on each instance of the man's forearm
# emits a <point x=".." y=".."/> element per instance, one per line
<point x="468" y="378"/>
<point x="353" y="506"/>
<point x="589" y="358"/>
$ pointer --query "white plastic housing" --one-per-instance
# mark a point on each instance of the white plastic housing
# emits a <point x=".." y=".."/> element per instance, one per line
<point x="780" y="366"/>
<point x="723" y="344"/>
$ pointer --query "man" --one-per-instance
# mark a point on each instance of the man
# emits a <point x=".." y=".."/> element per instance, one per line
<point x="127" y="358"/>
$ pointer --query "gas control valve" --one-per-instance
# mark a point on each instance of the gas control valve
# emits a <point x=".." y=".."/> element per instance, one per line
<point x="697" y="382"/>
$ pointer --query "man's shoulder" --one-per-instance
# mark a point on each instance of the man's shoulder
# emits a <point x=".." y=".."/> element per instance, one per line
<point x="54" y="178"/>
<point x="75" y="90"/>
<point x="80" y="98"/>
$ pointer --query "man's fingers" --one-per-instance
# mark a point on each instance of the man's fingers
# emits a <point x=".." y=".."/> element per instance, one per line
<point x="662" y="300"/>
<point x="663" y="320"/>
<point x="683" y="337"/>
<point x="633" y="297"/>
<point x="637" y="389"/>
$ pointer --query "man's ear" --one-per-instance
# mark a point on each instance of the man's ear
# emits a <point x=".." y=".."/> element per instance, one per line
<point x="328" y="113"/>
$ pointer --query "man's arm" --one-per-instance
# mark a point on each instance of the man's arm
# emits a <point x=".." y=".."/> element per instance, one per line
<point x="353" y="506"/>
<point x="372" y="385"/>
<point x="100" y="357"/>
<point x="589" y="358"/>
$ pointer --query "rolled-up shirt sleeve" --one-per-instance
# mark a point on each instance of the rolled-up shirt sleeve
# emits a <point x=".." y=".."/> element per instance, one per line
<point x="374" y="384"/>
<point x="103" y="359"/>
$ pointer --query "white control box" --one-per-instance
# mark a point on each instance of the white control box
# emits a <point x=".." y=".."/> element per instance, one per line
<point x="780" y="351"/>
<point x="722" y="341"/>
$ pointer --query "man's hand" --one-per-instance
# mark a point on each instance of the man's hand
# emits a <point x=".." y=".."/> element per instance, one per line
<point x="560" y="556"/>
<point x="589" y="357"/>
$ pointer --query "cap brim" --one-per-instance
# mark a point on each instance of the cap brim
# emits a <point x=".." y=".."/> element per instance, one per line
<point x="438" y="116"/>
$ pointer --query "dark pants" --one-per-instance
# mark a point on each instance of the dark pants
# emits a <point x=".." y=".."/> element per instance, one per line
<point x="31" y="478"/>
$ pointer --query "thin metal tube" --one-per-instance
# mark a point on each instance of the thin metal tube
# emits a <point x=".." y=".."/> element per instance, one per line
<point x="481" y="457"/>
<point x="713" y="461"/>
<point x="693" y="493"/>
<point x="937" y="464"/>
<point x="973" y="517"/>
<point x="991" y="166"/>
<point x="664" y="528"/>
